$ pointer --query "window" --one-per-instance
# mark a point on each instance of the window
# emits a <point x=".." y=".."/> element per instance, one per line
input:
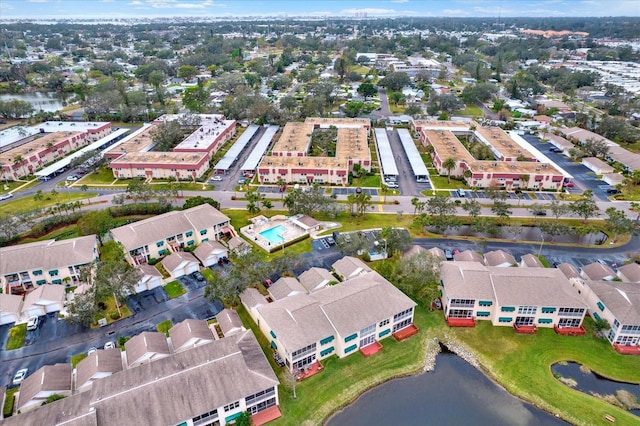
<point x="38" y="272"/>
<point x="383" y="322"/>
<point x="232" y="406"/>
<point x="571" y="312"/>
<point x="508" y="309"/>
<point x="460" y="313"/>
<point x="505" y="319"/>
<point x="463" y="303"/>
<point x="53" y="272"/>
<point x="205" y="418"/>
<point x="190" y="242"/>
<point x="483" y="314"/>
<point x="527" y="310"/>
<point x="631" y="329"/>
<point x="545" y="321"/>
<point x="384" y="333"/>
<point x="304" y="362"/>
<point x="402" y="324"/>
<point x="485" y="303"/>
<point x="159" y="243"/>
<point x="368" y="330"/>
<point x="351" y="337"/>
<point x="40" y="282"/>
<point x="402" y="315"/>
<point x="596" y="316"/>
<point x="601" y="306"/>
<point x="203" y="232"/>
<point x="547" y="310"/>
<point x="616" y="324"/>
<point x="273" y="334"/>
<point x="261" y="406"/>
<point x="304" y="351"/>
<point x="259" y="395"/>
<point x="188" y="233"/>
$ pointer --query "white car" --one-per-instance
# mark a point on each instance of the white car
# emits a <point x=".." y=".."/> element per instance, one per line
<point x="5" y="196"/>
<point x="216" y="178"/>
<point x="20" y="376"/>
<point x="32" y="324"/>
<point x="73" y="178"/>
<point x="91" y="350"/>
<point x="110" y="345"/>
<point x="391" y="185"/>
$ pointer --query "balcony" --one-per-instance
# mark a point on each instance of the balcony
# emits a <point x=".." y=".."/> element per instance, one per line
<point x="461" y="322"/>
<point x="570" y="331"/>
<point x="525" y="329"/>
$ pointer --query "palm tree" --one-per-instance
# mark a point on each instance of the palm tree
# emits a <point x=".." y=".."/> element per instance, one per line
<point x="449" y="164"/>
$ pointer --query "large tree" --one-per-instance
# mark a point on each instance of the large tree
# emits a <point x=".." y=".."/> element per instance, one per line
<point x="367" y="90"/>
<point x="395" y="81"/>
<point x="449" y="164"/>
<point x="585" y="207"/>
<point x="97" y="222"/>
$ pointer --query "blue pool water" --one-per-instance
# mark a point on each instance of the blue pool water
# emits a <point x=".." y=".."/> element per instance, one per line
<point x="273" y="234"/>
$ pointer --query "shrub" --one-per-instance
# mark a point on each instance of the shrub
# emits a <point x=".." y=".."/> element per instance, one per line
<point x="152" y="261"/>
<point x="115" y="315"/>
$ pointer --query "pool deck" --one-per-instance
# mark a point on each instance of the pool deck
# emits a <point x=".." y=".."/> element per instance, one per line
<point x="261" y="224"/>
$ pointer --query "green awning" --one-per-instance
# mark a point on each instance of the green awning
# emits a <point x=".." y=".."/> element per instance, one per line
<point x="273" y="345"/>
<point x="232" y="417"/>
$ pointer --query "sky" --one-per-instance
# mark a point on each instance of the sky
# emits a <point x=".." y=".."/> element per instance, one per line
<point x="78" y="9"/>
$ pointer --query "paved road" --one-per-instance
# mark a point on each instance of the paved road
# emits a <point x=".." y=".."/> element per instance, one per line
<point x="56" y="340"/>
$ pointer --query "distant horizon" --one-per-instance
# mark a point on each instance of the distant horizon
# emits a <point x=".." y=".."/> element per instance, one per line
<point x="35" y="10"/>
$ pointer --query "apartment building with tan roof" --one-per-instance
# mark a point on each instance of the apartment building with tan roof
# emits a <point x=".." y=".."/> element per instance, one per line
<point x="55" y="141"/>
<point x="134" y="157"/>
<point x="161" y="235"/>
<point x="26" y="266"/>
<point x="520" y="297"/>
<point x="290" y="160"/>
<point x="514" y="166"/>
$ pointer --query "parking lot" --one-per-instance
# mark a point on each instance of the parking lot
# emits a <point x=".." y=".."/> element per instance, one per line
<point x="347" y="191"/>
<point x="511" y="195"/>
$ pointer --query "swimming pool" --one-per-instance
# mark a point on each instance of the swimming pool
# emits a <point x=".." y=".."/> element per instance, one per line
<point x="273" y="234"/>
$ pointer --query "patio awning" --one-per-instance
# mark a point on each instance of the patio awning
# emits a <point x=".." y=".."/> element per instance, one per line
<point x="273" y="345"/>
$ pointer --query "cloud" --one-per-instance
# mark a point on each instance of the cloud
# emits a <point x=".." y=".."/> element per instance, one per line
<point x="399" y="1"/>
<point x="368" y="10"/>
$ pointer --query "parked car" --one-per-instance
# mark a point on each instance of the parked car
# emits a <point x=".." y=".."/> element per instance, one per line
<point x="73" y="178"/>
<point x="198" y="276"/>
<point x="569" y="184"/>
<point x="268" y="283"/>
<point x="391" y="184"/>
<point x="91" y="350"/>
<point x="540" y="213"/>
<point x="242" y="181"/>
<point x="215" y="178"/>
<point x="5" y="196"/>
<point x="43" y="178"/>
<point x="331" y="241"/>
<point x="110" y="345"/>
<point x="20" y="376"/>
<point x="448" y="254"/>
<point x="33" y="323"/>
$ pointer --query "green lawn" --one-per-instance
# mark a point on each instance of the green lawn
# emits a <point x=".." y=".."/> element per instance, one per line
<point x="164" y="326"/>
<point x="441" y="182"/>
<point x="111" y="311"/>
<point x="372" y="181"/>
<point x="16" y="337"/>
<point x="10" y="186"/>
<point x="174" y="289"/>
<point x="102" y="176"/>
<point x="342" y="380"/>
<point x="209" y="275"/>
<point x="75" y="359"/>
<point x="29" y="204"/>
<point x="522" y="366"/>
<point x="7" y="410"/>
<point x="471" y="111"/>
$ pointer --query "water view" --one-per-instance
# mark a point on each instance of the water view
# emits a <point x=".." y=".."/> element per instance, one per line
<point x="455" y="393"/>
<point x="626" y="395"/>
<point x="45" y="101"/>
